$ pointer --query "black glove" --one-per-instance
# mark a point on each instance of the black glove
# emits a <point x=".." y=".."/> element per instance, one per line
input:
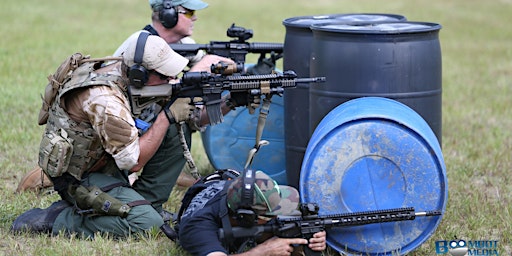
<point x="264" y="66"/>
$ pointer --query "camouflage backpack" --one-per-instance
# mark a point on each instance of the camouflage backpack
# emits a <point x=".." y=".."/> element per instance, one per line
<point x="55" y="81"/>
<point x="60" y="77"/>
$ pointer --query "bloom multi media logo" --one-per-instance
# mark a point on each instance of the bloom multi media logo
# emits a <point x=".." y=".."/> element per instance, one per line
<point x="459" y="247"/>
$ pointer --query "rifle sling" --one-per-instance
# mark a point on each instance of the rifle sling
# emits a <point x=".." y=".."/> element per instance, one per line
<point x="186" y="151"/>
<point x="151" y="30"/>
<point x="262" y="119"/>
<point x="226" y="224"/>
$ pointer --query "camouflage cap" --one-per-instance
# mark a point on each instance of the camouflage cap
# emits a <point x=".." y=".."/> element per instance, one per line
<point x="269" y="197"/>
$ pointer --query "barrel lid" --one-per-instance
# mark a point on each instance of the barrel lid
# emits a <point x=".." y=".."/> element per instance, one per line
<point x="375" y="153"/>
<point x="377" y="28"/>
<point x="307" y="21"/>
<point x="227" y="144"/>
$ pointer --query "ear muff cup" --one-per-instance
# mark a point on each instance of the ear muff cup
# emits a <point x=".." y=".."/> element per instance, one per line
<point x="168" y="15"/>
<point x="245" y="216"/>
<point x="137" y="74"/>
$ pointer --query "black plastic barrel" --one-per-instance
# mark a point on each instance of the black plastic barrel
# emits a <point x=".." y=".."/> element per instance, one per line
<point x="400" y="61"/>
<point x="297" y="53"/>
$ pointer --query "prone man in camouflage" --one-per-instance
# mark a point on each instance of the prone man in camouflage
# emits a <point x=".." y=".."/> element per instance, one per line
<point x="91" y="144"/>
<point x="253" y="197"/>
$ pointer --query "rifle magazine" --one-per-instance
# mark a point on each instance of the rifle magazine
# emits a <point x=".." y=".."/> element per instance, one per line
<point x="214" y="113"/>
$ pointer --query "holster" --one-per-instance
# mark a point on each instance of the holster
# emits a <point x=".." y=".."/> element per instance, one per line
<point x="92" y="200"/>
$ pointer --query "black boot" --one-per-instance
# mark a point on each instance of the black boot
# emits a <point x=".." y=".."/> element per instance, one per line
<point x="38" y="220"/>
<point x="168" y="217"/>
<point x="166" y="228"/>
<point x="169" y="232"/>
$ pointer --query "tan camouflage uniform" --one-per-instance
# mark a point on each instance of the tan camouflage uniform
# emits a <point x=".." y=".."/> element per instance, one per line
<point x="108" y="111"/>
<point x="105" y="107"/>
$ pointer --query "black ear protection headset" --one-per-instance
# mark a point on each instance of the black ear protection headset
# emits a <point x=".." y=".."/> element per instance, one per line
<point x="137" y="74"/>
<point x="245" y="215"/>
<point x="168" y="15"/>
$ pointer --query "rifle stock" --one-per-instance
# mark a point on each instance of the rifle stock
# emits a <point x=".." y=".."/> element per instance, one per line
<point x="141" y="98"/>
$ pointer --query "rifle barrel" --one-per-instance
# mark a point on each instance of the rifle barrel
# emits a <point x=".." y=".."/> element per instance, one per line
<point x="428" y="213"/>
<point x="319" y="79"/>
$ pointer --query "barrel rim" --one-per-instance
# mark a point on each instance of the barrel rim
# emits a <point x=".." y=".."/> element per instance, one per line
<point x="322" y="27"/>
<point x="291" y="22"/>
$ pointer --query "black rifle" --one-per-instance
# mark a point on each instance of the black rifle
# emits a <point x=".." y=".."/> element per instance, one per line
<point x="210" y="87"/>
<point x="235" y="49"/>
<point x="311" y="223"/>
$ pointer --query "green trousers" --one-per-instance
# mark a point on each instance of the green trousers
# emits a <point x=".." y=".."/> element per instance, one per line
<point x="159" y="176"/>
<point x="155" y="185"/>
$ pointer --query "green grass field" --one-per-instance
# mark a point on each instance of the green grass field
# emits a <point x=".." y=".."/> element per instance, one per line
<point x="476" y="44"/>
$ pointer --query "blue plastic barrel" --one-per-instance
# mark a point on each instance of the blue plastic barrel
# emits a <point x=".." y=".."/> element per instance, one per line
<point x="296" y="56"/>
<point x="375" y="153"/>
<point x="227" y="144"/>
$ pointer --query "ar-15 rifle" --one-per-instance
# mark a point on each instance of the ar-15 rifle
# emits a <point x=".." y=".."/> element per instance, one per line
<point x="235" y="49"/>
<point x="210" y="86"/>
<point x="311" y="223"/>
